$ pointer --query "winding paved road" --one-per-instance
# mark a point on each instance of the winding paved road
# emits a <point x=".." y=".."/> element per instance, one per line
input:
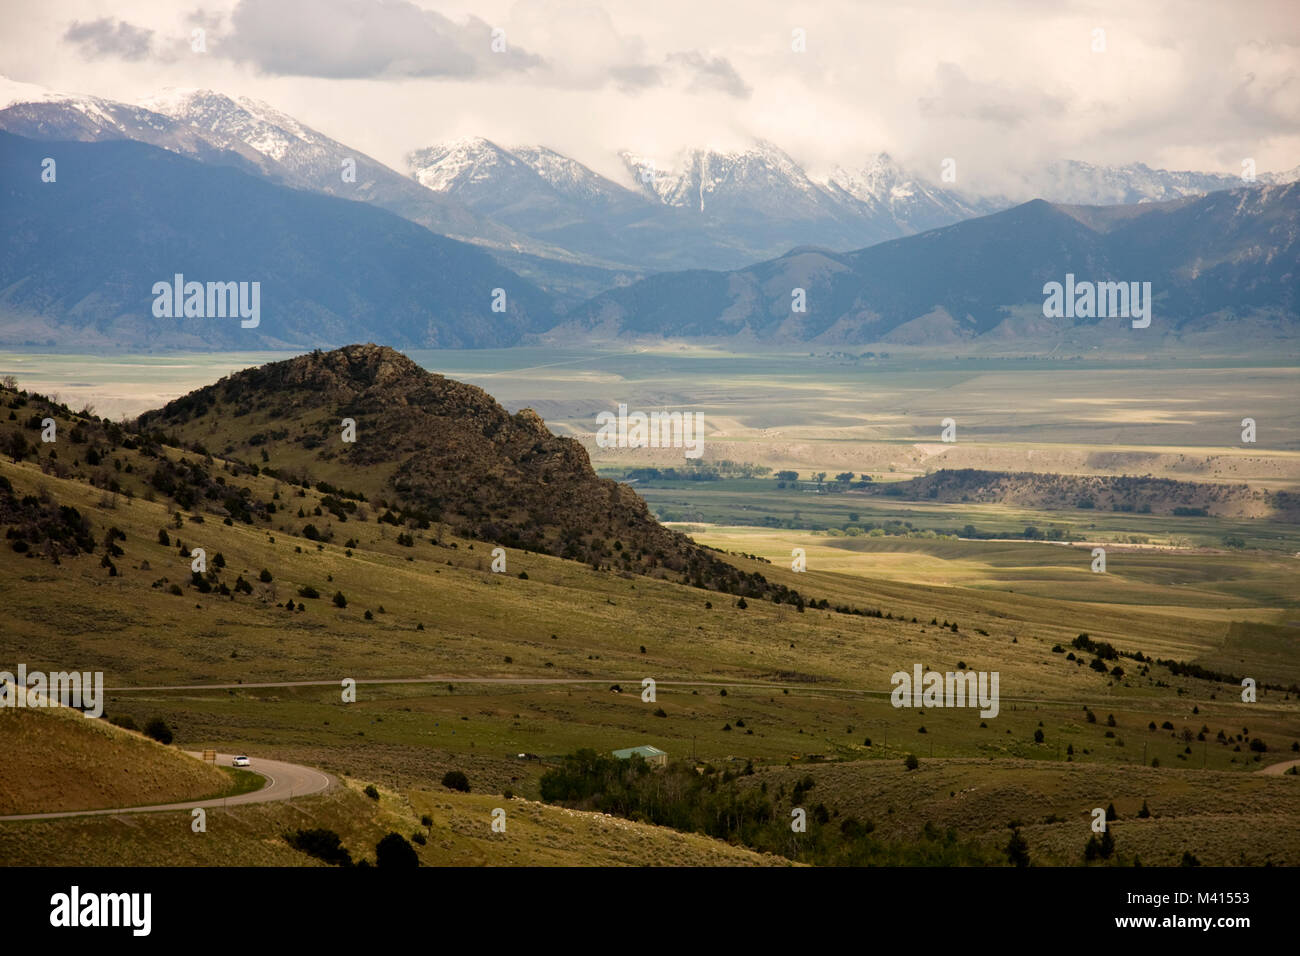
<point x="284" y="781"/>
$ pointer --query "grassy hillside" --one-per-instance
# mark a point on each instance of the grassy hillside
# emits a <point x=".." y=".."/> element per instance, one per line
<point x="548" y="657"/>
<point x="460" y="834"/>
<point x="56" y="759"/>
<point x="1197" y="812"/>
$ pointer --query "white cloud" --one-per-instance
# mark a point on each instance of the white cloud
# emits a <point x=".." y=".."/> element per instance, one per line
<point x="1000" y="85"/>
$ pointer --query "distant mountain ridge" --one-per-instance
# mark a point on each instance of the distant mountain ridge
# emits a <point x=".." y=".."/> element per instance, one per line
<point x="81" y="255"/>
<point x="251" y="136"/>
<point x="1084" y="184"/>
<point x="1103" y="493"/>
<point x="714" y="208"/>
<point x="560" y="224"/>
<point x="79" y="258"/>
<point x="710" y="208"/>
<point x="77" y="274"/>
<point x="1214" y="262"/>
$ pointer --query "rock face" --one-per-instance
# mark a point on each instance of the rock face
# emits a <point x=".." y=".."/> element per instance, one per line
<point x="441" y="452"/>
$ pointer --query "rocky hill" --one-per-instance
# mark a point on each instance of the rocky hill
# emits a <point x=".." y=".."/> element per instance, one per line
<point x="430" y="451"/>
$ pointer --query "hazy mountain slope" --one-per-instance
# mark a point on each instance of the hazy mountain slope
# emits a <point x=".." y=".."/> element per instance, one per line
<point x="561" y="203"/>
<point x="1233" y="253"/>
<point x="891" y="194"/>
<point x="1072" y="181"/>
<point x="252" y="136"/>
<point x="709" y="208"/>
<point x="573" y="231"/>
<point x="1229" y="251"/>
<point x="81" y="256"/>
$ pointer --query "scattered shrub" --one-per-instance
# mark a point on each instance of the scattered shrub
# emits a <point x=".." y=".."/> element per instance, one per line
<point x="394" y="852"/>
<point x="455" y="780"/>
<point x="323" y="844"/>
<point x="158" y="730"/>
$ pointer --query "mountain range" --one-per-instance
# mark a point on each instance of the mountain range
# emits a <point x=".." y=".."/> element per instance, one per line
<point x="560" y="224"/>
<point x="417" y="261"/>
<point x="710" y="208"/>
<point x="82" y="254"/>
<point x="80" y="257"/>
<point x="1213" y="263"/>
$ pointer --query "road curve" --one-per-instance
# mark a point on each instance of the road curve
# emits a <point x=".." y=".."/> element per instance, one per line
<point x="283" y="781"/>
<point x="1277" y="769"/>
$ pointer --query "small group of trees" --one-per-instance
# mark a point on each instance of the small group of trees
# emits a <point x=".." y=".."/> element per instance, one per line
<point x="739" y="807"/>
<point x="393" y="852"/>
<point x="1102" y="849"/>
<point x="784" y="478"/>
<point x="156" y="727"/>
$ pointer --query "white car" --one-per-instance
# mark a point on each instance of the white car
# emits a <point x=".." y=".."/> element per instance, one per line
<point x="240" y="761"/>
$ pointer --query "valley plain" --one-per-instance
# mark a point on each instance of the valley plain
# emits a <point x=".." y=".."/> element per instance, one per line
<point x="462" y="669"/>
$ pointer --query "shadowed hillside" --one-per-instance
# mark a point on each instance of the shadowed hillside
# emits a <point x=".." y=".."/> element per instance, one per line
<point x="1148" y="495"/>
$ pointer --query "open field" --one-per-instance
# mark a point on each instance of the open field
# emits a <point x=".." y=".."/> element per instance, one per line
<point x="1213" y="586"/>
<point x="760" y="503"/>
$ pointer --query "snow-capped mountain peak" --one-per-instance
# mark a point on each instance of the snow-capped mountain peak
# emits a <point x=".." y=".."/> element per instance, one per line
<point x="267" y="130"/>
<point x="13" y="91"/>
<point x="461" y="163"/>
<point x="700" y="178"/>
<point x="569" y="177"/>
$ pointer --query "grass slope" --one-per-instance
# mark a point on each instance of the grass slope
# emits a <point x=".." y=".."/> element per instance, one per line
<point x="56" y="759"/>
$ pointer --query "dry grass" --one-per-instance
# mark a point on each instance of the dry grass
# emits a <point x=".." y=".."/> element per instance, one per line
<point x="461" y="835"/>
<point x="55" y="759"/>
<point x="1222" y="818"/>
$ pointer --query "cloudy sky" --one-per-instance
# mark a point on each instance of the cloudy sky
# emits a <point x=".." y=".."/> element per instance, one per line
<point x="999" y="85"/>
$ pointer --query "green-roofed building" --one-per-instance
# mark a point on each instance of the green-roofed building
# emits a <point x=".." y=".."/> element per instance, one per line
<point x="651" y="755"/>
